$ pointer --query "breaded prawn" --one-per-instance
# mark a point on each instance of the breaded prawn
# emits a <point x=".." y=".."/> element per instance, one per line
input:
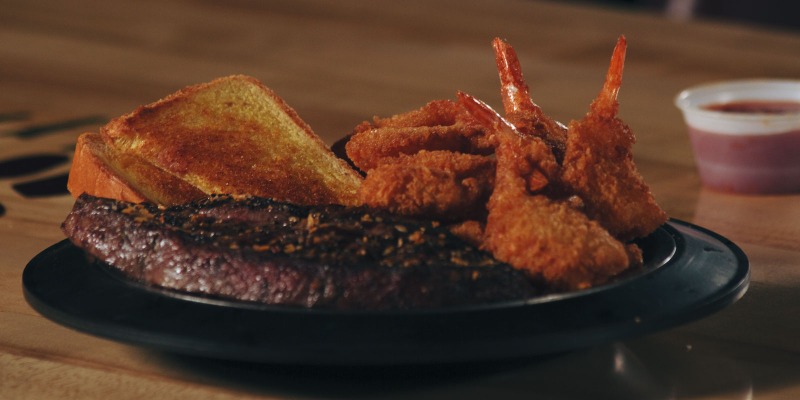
<point x="439" y="125"/>
<point x="441" y="185"/>
<point x="548" y="238"/>
<point x="598" y="164"/>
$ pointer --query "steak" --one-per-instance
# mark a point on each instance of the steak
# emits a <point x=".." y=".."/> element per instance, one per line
<point x="260" y="250"/>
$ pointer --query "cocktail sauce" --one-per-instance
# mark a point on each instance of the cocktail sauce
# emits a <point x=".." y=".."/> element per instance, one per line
<point x="748" y="163"/>
<point x="745" y="134"/>
<point x="756" y="107"/>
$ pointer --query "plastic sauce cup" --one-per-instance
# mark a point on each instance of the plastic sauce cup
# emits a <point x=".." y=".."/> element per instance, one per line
<point x="745" y="134"/>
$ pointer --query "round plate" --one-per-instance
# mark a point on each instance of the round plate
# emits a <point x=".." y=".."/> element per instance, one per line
<point x="689" y="272"/>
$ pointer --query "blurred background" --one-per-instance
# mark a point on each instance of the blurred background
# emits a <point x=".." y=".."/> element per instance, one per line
<point x="775" y="14"/>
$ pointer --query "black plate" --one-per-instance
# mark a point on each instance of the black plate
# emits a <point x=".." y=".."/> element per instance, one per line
<point x="690" y="272"/>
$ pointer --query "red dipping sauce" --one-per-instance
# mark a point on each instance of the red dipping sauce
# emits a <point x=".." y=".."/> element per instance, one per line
<point x="755" y="107"/>
<point x="745" y="134"/>
<point x="748" y="163"/>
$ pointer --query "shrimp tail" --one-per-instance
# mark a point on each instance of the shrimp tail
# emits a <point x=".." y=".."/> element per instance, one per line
<point x="606" y="102"/>
<point x="514" y="90"/>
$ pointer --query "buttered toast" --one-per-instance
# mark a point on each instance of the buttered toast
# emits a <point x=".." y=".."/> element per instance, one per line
<point x="103" y="171"/>
<point x="232" y="135"/>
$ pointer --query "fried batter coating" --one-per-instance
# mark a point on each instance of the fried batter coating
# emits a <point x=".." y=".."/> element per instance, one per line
<point x="442" y="185"/>
<point x="552" y="241"/>
<point x="368" y="148"/>
<point x="436" y="112"/>
<point x="549" y="239"/>
<point x="470" y="231"/>
<point x="439" y="125"/>
<point x="599" y="167"/>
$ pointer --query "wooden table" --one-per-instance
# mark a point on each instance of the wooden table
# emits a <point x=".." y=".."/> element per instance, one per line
<point x="69" y="66"/>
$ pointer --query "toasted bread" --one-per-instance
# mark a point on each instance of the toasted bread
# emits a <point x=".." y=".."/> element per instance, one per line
<point x="102" y="171"/>
<point x="232" y="135"/>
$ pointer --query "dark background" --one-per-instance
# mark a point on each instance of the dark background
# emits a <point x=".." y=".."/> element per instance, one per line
<point x="773" y="14"/>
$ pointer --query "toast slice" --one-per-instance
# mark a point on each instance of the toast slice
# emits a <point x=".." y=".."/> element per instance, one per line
<point x="100" y="170"/>
<point x="232" y="135"/>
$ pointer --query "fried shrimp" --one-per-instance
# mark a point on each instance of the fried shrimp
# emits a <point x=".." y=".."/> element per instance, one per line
<point x="436" y="112"/>
<point x="598" y="164"/>
<point x="560" y="203"/>
<point x="442" y="185"/>
<point x="519" y="108"/>
<point x="549" y="239"/>
<point x="429" y="163"/>
<point x="439" y="125"/>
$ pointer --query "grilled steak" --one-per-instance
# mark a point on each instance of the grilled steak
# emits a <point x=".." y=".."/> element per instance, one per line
<point x="259" y="250"/>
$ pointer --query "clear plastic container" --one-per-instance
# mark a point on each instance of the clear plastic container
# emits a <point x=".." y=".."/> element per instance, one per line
<point x="745" y="134"/>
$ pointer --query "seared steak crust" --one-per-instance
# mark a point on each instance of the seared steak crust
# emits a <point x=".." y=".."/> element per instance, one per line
<point x="260" y="250"/>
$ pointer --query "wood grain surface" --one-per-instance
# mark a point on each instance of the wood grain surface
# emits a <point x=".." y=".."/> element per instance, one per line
<point x="67" y="67"/>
